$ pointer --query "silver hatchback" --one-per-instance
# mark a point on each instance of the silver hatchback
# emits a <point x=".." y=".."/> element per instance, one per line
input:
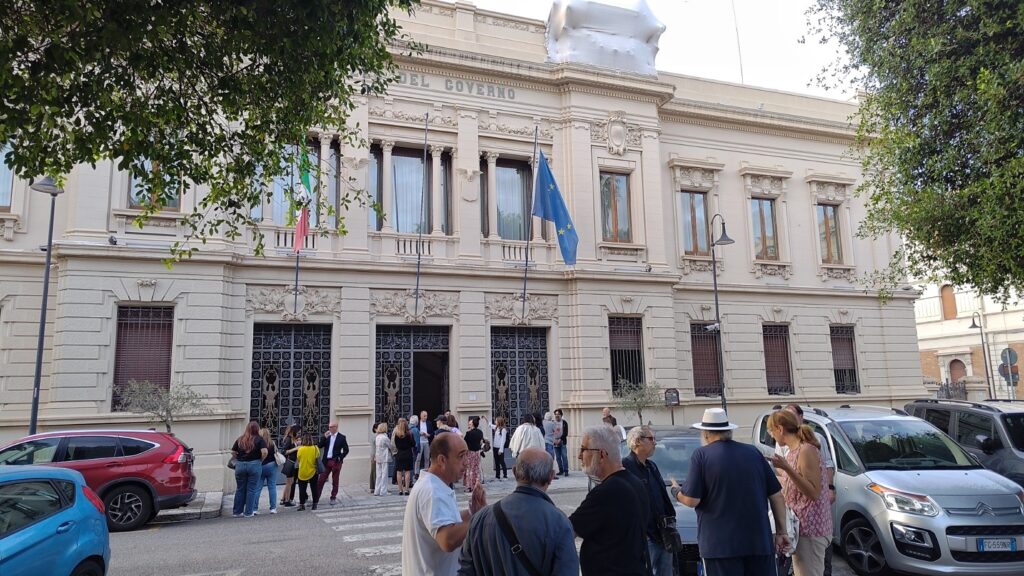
<point x="910" y="499"/>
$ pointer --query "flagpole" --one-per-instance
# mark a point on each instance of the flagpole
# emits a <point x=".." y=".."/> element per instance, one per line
<point x="529" y="215"/>
<point x="295" y="244"/>
<point x="423" y="204"/>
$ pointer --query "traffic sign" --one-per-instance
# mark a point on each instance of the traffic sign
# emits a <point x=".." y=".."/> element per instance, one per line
<point x="1008" y="356"/>
<point x="1006" y="372"/>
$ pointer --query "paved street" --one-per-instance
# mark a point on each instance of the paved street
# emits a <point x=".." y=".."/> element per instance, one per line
<point x="363" y="539"/>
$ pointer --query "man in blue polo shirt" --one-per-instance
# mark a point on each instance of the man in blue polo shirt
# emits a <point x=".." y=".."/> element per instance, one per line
<point x="728" y="484"/>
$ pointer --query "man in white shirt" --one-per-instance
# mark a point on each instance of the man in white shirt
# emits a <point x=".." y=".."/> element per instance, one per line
<point x="425" y="432"/>
<point x="434" y="529"/>
<point x="526" y="436"/>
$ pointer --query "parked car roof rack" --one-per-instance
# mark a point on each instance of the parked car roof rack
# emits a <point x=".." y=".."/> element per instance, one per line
<point x="1006" y="400"/>
<point x="955" y="401"/>
<point x="876" y="407"/>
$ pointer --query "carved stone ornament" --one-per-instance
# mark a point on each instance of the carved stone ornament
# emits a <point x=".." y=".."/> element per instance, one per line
<point x="616" y="133"/>
<point x="507" y="23"/>
<point x="354" y="164"/>
<point x="690" y="178"/>
<point x="403" y="116"/>
<point x="690" y="265"/>
<point x="283" y="301"/>
<point x="145" y="282"/>
<point x="845" y="273"/>
<point x="830" y="192"/>
<point x="9" y="224"/>
<point x="778" y="270"/>
<point x="510" y="306"/>
<point x="402" y="303"/>
<point x="491" y="124"/>
<point x="764" y="181"/>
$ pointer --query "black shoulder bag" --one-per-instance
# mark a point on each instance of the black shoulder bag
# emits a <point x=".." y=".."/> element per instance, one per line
<point x="510" y="535"/>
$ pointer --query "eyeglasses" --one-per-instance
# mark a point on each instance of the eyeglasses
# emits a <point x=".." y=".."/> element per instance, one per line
<point x="651" y="438"/>
<point x="582" y="450"/>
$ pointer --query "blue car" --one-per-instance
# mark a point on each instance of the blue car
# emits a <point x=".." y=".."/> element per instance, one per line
<point x="50" y="523"/>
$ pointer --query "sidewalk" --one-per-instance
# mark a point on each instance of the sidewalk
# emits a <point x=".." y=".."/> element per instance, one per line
<point x="205" y="505"/>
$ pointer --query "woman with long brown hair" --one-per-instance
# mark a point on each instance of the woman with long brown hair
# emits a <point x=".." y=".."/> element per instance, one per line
<point x="268" y="473"/>
<point x="803" y="485"/>
<point x="405" y="446"/>
<point x="291" y="467"/>
<point x="249" y="450"/>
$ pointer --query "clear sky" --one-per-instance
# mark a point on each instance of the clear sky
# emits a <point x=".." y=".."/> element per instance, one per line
<point x="700" y="40"/>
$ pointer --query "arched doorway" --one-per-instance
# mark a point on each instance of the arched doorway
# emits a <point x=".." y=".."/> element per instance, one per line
<point x="957" y="371"/>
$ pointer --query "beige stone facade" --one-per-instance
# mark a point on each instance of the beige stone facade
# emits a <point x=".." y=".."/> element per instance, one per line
<point x="486" y="84"/>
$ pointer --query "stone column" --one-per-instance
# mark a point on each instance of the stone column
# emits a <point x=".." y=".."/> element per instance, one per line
<point x="538" y="224"/>
<point x="436" y="198"/>
<point x="492" y="194"/>
<point x="387" y="191"/>
<point x="324" y="182"/>
<point x="977" y="388"/>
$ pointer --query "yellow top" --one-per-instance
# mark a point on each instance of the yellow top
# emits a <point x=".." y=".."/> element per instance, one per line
<point x="306" y="457"/>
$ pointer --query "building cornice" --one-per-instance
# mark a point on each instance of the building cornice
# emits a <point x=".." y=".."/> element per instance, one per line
<point x="757" y="122"/>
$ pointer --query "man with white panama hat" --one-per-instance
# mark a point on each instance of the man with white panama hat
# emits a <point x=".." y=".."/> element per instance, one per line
<point x="728" y="484"/>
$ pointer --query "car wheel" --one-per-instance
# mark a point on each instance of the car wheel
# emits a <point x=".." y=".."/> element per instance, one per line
<point x="863" y="549"/>
<point x="88" y="568"/>
<point x="128" y="507"/>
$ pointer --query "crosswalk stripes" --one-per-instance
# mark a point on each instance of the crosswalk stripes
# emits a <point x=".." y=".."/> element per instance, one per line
<point x="380" y="526"/>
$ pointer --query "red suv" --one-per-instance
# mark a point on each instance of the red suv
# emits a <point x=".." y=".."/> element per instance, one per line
<point x="136" y="472"/>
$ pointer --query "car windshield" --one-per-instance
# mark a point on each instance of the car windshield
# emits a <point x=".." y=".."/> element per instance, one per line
<point x="673" y="456"/>
<point x="1015" y="429"/>
<point x="904" y="445"/>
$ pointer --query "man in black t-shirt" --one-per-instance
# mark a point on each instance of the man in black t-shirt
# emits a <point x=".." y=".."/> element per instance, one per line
<point x="613" y="517"/>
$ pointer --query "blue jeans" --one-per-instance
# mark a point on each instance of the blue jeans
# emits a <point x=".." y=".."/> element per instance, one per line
<point x="268" y="478"/>
<point x="563" y="463"/>
<point x="661" y="560"/>
<point x="247" y="486"/>
<point x="550" y="449"/>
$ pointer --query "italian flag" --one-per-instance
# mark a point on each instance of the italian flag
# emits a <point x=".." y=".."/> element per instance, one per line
<point x="303" y="198"/>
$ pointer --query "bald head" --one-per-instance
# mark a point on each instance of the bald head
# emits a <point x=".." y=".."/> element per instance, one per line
<point x="534" y="467"/>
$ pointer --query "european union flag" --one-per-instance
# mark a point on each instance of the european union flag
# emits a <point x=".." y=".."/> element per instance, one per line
<point x="548" y="205"/>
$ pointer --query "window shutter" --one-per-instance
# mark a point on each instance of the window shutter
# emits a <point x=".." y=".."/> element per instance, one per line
<point x="144" y="346"/>
<point x="776" y="359"/>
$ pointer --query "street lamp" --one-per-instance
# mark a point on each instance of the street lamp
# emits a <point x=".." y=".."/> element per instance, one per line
<point x="46" y="186"/>
<point x="722" y="240"/>
<point x="976" y="325"/>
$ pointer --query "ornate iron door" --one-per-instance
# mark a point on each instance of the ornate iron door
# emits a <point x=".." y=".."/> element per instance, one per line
<point x="395" y="348"/>
<point x="519" y="372"/>
<point x="291" y="377"/>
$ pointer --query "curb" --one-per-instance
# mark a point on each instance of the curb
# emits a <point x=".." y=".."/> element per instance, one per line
<point x="206" y="505"/>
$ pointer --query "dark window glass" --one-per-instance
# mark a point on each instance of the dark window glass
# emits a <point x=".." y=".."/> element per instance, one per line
<point x="938" y="418"/>
<point x="1015" y="429"/>
<point x="40" y="451"/>
<point x="969" y="426"/>
<point x="694" y="218"/>
<point x="762" y="216"/>
<point x="144" y="339"/>
<point x="704" y="346"/>
<point x="25" y="503"/>
<point x="625" y="336"/>
<point x="828" y="234"/>
<point x="137" y="196"/>
<point x="131" y="446"/>
<point x="91" y="447"/>
<point x="843" y="458"/>
<point x="764" y="435"/>
<point x="373" y="188"/>
<point x="904" y="444"/>
<point x="615" y="215"/>
<point x="844" y="360"/>
<point x="67" y="489"/>
<point x="776" y="358"/>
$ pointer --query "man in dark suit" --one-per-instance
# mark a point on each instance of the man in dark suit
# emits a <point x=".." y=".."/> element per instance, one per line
<point x="333" y="449"/>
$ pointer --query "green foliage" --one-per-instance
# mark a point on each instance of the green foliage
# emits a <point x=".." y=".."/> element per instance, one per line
<point x="941" y="131"/>
<point x="209" y="93"/>
<point x="163" y="404"/>
<point x="634" y="398"/>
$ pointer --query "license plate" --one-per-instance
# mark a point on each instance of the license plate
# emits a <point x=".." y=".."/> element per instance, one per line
<point x="997" y="544"/>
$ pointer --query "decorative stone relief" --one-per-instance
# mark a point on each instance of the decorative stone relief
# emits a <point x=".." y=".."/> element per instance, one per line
<point x="491" y="124"/>
<point x="763" y="181"/>
<point x="847" y="273"/>
<point x="403" y="303"/>
<point x="690" y="265"/>
<point x="354" y="164"/>
<point x="439" y="10"/>
<point x="776" y="269"/>
<point x="830" y="188"/>
<point x="510" y="306"/>
<point x="283" y="301"/>
<point x="401" y="115"/>
<point x="689" y="178"/>
<point x="9" y="224"/>
<point x="616" y="133"/>
<point x="145" y="282"/>
<point x="506" y="23"/>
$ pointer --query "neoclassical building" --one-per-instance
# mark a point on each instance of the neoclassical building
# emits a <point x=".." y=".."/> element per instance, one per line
<point x="644" y="160"/>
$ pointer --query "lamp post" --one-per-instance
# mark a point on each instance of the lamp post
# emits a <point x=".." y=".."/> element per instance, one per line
<point x="976" y="324"/>
<point x="46" y="186"/>
<point x="722" y="240"/>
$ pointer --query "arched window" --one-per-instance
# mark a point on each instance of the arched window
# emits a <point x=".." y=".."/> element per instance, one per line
<point x="948" y="302"/>
<point x="957" y="371"/>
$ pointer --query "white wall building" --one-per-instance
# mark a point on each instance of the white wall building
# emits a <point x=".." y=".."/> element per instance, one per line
<point x="643" y="161"/>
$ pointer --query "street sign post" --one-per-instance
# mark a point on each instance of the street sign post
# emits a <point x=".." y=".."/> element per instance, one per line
<point x="672" y="400"/>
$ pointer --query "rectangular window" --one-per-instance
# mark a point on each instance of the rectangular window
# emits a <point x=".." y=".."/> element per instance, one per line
<point x="6" y="180"/>
<point x="373" y="188"/>
<point x="828" y="234"/>
<point x="969" y="426"/>
<point x="615" y="219"/>
<point x="512" y="180"/>
<point x="776" y="358"/>
<point x="844" y="360"/>
<point x="694" y="217"/>
<point x="289" y="182"/>
<point x="412" y="209"/>
<point x="138" y="198"/>
<point x="762" y="215"/>
<point x="704" y="345"/>
<point x="484" y="201"/>
<point x="625" y="336"/>
<point x="144" y="347"/>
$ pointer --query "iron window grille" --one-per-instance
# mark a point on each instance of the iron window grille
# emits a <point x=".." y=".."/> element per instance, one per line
<point x="778" y="374"/>
<point x="844" y="359"/>
<point x="704" y="345"/>
<point x="625" y="339"/>
<point x="145" y="337"/>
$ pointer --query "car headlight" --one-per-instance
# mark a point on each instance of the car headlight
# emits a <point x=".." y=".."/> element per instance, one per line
<point x="899" y="501"/>
<point x="1020" y="496"/>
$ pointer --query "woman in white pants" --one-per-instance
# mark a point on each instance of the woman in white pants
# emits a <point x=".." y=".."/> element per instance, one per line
<point x="382" y="456"/>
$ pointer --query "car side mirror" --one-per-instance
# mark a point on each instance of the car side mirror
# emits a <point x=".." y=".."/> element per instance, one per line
<point x="988" y="445"/>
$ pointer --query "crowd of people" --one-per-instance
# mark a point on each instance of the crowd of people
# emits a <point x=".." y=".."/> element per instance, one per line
<point x="626" y="521"/>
